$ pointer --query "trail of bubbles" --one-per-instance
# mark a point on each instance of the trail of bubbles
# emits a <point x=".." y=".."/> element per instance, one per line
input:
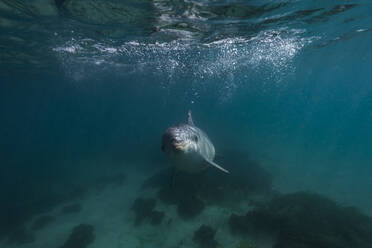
<point x="220" y="61"/>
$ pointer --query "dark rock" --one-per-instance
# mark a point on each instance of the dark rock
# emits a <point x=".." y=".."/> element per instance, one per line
<point x="204" y="236"/>
<point x="238" y="224"/>
<point x="70" y="209"/>
<point x="20" y="237"/>
<point x="307" y="220"/>
<point x="190" y="206"/>
<point x="42" y="222"/>
<point x="156" y="217"/>
<point x="80" y="237"/>
<point x="246" y="179"/>
<point x="59" y="3"/>
<point x="182" y="194"/>
<point x="143" y="208"/>
<point x="190" y="192"/>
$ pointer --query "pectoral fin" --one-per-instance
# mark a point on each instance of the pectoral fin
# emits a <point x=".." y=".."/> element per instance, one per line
<point x="216" y="165"/>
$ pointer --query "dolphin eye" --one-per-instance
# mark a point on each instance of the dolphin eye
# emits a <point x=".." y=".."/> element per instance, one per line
<point x="173" y="140"/>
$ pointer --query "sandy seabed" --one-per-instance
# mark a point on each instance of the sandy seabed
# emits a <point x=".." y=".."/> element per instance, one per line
<point x="109" y="211"/>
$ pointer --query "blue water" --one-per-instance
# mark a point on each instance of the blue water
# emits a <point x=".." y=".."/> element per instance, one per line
<point x="286" y="83"/>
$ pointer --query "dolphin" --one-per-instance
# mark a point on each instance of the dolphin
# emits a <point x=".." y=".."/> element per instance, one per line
<point x="188" y="148"/>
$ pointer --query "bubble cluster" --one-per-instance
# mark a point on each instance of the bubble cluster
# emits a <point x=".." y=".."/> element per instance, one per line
<point x="228" y="63"/>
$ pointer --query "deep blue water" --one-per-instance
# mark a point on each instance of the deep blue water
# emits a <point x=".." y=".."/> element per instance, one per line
<point x="287" y="83"/>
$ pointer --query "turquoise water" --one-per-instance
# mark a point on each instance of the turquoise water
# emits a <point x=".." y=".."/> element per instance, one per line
<point x="90" y="86"/>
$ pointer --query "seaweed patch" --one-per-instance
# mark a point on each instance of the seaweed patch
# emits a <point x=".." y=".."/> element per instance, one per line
<point x="144" y="210"/>
<point x="204" y="237"/>
<point x="80" y="237"/>
<point x="306" y="220"/>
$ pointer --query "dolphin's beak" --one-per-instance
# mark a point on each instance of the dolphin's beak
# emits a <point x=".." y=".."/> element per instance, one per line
<point x="179" y="146"/>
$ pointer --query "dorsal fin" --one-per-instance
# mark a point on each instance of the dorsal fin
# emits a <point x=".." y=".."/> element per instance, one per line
<point x="189" y="119"/>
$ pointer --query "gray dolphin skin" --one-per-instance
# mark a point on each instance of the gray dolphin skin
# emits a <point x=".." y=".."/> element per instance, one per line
<point x="188" y="148"/>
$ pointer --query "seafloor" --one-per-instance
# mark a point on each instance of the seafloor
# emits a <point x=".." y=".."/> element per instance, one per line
<point x="142" y="209"/>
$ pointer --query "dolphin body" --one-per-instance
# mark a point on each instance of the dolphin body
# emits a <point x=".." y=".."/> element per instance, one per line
<point x="188" y="148"/>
